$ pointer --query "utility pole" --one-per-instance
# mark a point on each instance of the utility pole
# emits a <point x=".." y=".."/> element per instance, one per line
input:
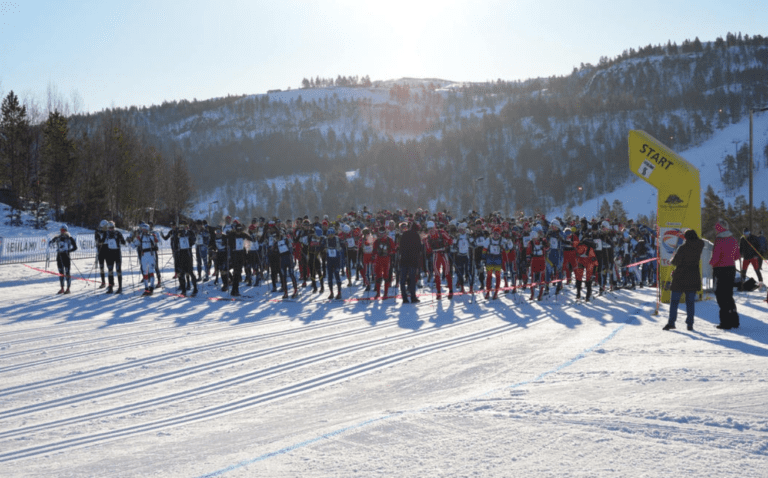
<point x="751" y="162"/>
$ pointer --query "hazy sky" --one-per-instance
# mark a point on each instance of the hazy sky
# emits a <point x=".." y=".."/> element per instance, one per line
<point x="123" y="53"/>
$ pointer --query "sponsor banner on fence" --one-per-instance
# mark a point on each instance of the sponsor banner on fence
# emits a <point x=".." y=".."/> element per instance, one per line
<point x="18" y="247"/>
<point x="35" y="249"/>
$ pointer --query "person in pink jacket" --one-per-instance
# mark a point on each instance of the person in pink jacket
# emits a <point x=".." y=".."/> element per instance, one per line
<point x="723" y="262"/>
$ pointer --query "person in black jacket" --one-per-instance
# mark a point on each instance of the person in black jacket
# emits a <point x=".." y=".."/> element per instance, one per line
<point x="64" y="245"/>
<point x="113" y="239"/>
<point x="749" y="247"/>
<point x="410" y="255"/>
<point x="686" y="277"/>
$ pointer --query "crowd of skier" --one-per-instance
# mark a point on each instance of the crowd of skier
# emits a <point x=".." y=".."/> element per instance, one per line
<point x="378" y="251"/>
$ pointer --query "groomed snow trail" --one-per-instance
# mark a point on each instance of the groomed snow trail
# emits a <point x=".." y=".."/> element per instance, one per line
<point x="97" y="385"/>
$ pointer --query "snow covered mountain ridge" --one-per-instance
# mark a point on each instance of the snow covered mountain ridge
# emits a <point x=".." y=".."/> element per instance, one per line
<point x="539" y="144"/>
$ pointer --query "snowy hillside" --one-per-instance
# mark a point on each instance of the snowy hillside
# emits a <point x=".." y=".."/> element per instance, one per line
<point x="113" y="386"/>
<point x="639" y="197"/>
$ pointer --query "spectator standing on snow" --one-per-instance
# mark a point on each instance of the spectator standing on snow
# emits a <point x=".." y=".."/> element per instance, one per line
<point x="686" y="278"/>
<point x="410" y="258"/>
<point x="724" y="256"/>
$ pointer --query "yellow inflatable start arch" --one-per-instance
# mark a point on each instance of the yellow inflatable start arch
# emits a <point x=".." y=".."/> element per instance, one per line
<point x="679" y="196"/>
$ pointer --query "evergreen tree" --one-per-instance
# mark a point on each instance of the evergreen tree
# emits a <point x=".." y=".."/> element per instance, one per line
<point x="618" y="212"/>
<point x="59" y="160"/>
<point x="15" y="140"/>
<point x="713" y="210"/>
<point x="605" y="209"/>
<point x="179" y="187"/>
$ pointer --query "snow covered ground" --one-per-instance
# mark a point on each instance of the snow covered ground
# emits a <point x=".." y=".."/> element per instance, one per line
<point x="101" y="386"/>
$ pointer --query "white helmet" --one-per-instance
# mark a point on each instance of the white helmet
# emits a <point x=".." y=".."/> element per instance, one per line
<point x="555" y="223"/>
<point x="430" y="224"/>
<point x="345" y="228"/>
<point x="534" y="235"/>
<point x="606" y="225"/>
<point x="104" y="224"/>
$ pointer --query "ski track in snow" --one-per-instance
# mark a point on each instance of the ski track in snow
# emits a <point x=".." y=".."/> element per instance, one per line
<point x="87" y="374"/>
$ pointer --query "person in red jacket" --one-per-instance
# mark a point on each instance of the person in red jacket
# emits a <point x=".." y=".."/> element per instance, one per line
<point x="724" y="256"/>
<point x="585" y="257"/>
<point x="537" y="251"/>
<point x="382" y="252"/>
<point x="438" y="242"/>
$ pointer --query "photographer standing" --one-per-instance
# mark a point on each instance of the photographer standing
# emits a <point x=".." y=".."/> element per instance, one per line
<point x="686" y="278"/>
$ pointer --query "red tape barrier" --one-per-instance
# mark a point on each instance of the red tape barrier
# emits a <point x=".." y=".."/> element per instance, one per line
<point x="61" y="275"/>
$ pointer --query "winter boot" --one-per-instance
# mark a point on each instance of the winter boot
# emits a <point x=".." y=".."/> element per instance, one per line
<point x="109" y="290"/>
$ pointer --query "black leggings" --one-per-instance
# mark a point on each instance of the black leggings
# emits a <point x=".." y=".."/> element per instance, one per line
<point x="724" y="279"/>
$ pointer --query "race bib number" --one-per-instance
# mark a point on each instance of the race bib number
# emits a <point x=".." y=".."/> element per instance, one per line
<point x="239" y="244"/>
<point x="553" y="243"/>
<point x="463" y="247"/>
<point x="183" y="243"/>
<point x="199" y="240"/>
<point x="282" y="247"/>
<point x="332" y="253"/>
<point x="598" y="245"/>
<point x="368" y="248"/>
<point x="351" y="242"/>
<point x="112" y="243"/>
<point x="495" y="249"/>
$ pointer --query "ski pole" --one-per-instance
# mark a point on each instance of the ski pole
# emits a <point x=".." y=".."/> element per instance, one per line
<point x="133" y="279"/>
<point x="87" y="281"/>
<point x="47" y="256"/>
